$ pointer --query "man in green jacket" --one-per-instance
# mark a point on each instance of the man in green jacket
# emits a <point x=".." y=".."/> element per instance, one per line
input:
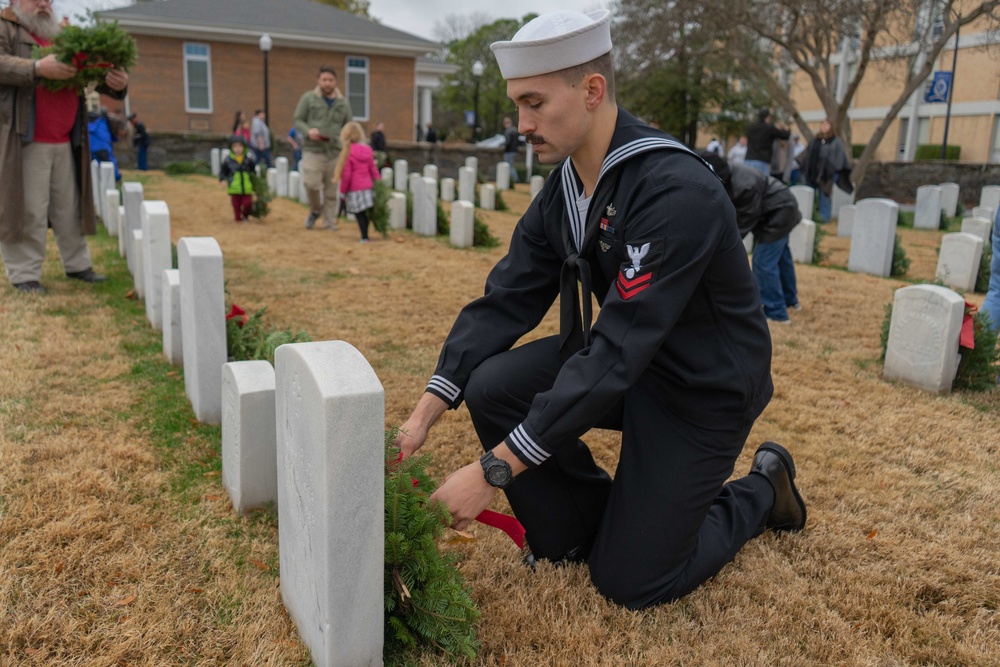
<point x="319" y="117"/>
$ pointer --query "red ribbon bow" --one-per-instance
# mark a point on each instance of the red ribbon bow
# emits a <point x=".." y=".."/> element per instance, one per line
<point x="968" y="336"/>
<point x="80" y="62"/>
<point x="239" y="315"/>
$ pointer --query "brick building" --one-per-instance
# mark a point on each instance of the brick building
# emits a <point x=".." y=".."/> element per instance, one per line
<point x="200" y="62"/>
<point x="975" y="113"/>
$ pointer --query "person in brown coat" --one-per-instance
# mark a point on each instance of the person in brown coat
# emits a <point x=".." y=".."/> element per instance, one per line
<point x="44" y="151"/>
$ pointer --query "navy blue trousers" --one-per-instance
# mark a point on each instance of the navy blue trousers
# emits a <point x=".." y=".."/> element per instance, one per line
<point x="667" y="522"/>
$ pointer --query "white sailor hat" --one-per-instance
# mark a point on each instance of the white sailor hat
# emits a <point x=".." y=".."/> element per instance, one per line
<point x="553" y="42"/>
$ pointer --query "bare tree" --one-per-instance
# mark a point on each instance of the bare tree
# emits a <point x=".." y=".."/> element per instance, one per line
<point x="771" y="38"/>
<point x="454" y="27"/>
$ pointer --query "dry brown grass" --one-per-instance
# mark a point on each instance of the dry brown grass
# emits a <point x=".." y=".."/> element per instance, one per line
<point x="101" y="564"/>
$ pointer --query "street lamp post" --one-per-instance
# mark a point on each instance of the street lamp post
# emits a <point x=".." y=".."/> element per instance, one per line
<point x="265" y="48"/>
<point x="477" y="73"/>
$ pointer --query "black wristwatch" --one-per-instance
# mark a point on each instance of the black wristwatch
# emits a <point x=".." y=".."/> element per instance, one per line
<point x="496" y="471"/>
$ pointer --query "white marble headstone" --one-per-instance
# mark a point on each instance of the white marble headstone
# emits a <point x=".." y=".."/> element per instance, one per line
<point x="216" y="158"/>
<point x="424" y="206"/>
<point x="802" y="240"/>
<point x="839" y="200"/>
<point x="293" y="184"/>
<point x="462" y="227"/>
<point x="473" y="164"/>
<point x="431" y="171"/>
<point x="949" y="198"/>
<point x="466" y="184"/>
<point x="249" y="437"/>
<point x="281" y="180"/>
<point x="928" y="212"/>
<point x="983" y="212"/>
<point x="923" y="337"/>
<point x="958" y="261"/>
<point x="157" y="256"/>
<point x="411" y="182"/>
<point x="979" y="226"/>
<point x="845" y="223"/>
<point x="448" y="189"/>
<point x="873" y="236"/>
<point x="989" y="197"/>
<point x="488" y="197"/>
<point x="121" y="232"/>
<point x="107" y="172"/>
<point x="112" y="200"/>
<point x="272" y="180"/>
<point x="203" y="324"/>
<point x="386" y="175"/>
<point x="503" y="176"/>
<point x="171" y="295"/>
<point x="401" y="171"/>
<point x="330" y="415"/>
<point x="397" y="210"/>
<point x="536" y="185"/>
<point x="805" y="196"/>
<point x="138" y="275"/>
<point x="132" y="196"/>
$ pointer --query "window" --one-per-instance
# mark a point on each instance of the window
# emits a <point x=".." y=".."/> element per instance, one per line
<point x="197" y="78"/>
<point x="357" y="87"/>
<point x="923" y="131"/>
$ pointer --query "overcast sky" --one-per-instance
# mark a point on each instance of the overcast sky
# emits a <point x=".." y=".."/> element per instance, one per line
<point x="412" y="16"/>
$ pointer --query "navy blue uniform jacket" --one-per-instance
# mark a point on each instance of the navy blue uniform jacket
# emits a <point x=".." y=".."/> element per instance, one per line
<point x="680" y="314"/>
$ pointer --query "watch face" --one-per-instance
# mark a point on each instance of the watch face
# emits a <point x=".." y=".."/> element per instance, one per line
<point x="497" y="475"/>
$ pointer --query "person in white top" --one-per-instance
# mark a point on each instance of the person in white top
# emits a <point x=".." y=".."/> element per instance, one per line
<point x="738" y="153"/>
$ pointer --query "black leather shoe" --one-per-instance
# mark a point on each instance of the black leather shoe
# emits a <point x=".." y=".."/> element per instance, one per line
<point x="574" y="555"/>
<point x="775" y="463"/>
<point x="31" y="287"/>
<point x="87" y="276"/>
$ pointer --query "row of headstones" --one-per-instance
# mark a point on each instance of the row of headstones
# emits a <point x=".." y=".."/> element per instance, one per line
<point x="317" y="416"/>
<point x="871" y="225"/>
<point x="932" y="200"/>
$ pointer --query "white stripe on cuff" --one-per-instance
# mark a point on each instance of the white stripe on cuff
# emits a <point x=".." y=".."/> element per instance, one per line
<point x="519" y="438"/>
<point x="445" y="386"/>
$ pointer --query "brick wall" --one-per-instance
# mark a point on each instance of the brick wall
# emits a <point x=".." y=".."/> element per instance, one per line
<point x="156" y="86"/>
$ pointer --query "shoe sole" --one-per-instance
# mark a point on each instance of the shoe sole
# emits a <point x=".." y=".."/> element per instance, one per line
<point x="786" y="459"/>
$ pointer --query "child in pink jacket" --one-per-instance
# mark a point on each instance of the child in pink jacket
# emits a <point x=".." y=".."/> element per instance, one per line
<point x="357" y="174"/>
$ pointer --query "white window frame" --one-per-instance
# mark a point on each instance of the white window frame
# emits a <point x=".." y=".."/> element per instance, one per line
<point x="353" y="69"/>
<point x="207" y="59"/>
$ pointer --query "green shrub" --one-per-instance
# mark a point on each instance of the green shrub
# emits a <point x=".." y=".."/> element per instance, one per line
<point x="857" y="150"/>
<point x="819" y="255"/>
<point x="380" y="211"/>
<point x="261" y="197"/>
<point x="900" y="262"/>
<point x="199" y="167"/>
<point x="978" y="367"/>
<point x="983" y="277"/>
<point x="247" y="339"/>
<point x="933" y="152"/>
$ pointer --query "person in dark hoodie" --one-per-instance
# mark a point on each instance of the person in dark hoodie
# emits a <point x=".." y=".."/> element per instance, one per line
<point x="760" y="141"/>
<point x="825" y="165"/>
<point x="766" y="208"/>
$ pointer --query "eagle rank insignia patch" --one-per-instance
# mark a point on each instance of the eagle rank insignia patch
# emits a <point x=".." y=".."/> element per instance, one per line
<point x="631" y="281"/>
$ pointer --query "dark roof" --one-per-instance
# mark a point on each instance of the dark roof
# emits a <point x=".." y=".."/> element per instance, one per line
<point x="291" y="18"/>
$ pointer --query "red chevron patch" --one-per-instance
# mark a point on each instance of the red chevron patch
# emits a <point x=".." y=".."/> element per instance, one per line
<point x="629" y="288"/>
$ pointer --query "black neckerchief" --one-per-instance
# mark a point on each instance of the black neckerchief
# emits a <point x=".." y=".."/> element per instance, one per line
<point x="579" y="235"/>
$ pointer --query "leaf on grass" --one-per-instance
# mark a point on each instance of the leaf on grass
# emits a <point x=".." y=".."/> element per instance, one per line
<point x="872" y="534"/>
<point x="212" y="473"/>
<point x="171" y="374"/>
<point x="130" y="294"/>
<point x="31" y="651"/>
<point x="261" y="566"/>
<point x="460" y="537"/>
<point x="124" y="602"/>
<point x="211" y="498"/>
<point x="196" y="590"/>
<point x="60" y="567"/>
<point x="398" y="239"/>
<point x="354" y="272"/>
<point x="124" y="619"/>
